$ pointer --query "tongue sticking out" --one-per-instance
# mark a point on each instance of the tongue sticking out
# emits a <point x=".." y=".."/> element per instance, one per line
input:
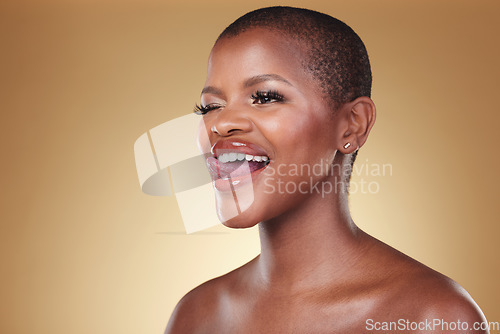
<point x="224" y="170"/>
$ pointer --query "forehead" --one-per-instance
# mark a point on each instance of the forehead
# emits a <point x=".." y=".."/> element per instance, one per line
<point x="255" y="51"/>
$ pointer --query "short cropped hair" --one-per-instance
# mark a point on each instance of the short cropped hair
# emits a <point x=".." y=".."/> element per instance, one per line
<point x="335" y="55"/>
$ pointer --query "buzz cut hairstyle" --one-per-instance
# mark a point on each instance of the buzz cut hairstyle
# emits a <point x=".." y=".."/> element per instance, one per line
<point x="335" y="56"/>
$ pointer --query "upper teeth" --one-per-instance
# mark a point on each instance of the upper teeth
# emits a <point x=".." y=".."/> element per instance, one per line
<point x="233" y="156"/>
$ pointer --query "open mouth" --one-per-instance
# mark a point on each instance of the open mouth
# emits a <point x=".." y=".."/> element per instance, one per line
<point x="231" y="160"/>
<point x="232" y="165"/>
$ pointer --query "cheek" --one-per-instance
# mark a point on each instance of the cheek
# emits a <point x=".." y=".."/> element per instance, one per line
<point x="305" y="149"/>
<point x="306" y="136"/>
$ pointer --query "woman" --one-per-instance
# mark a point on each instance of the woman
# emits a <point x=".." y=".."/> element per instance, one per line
<point x="286" y="106"/>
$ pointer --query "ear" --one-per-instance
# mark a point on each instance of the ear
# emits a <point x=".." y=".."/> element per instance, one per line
<point x="359" y="117"/>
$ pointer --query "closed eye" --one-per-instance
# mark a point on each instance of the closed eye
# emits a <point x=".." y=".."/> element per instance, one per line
<point x="202" y="110"/>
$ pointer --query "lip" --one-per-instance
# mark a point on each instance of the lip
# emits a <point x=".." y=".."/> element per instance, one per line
<point x="238" y="146"/>
<point x="230" y="184"/>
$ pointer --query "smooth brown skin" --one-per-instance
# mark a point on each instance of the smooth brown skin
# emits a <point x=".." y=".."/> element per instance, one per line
<point x="317" y="271"/>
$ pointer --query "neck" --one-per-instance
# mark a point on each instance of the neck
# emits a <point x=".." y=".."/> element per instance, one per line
<point x="312" y="245"/>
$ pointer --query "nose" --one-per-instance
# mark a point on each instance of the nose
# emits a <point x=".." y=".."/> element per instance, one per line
<point x="229" y="122"/>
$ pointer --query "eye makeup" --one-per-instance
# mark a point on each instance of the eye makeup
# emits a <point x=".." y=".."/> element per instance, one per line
<point x="258" y="97"/>
<point x="202" y="110"/>
<point x="267" y="96"/>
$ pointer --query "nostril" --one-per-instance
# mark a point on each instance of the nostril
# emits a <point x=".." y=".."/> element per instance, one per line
<point x="228" y="122"/>
<point x="224" y="132"/>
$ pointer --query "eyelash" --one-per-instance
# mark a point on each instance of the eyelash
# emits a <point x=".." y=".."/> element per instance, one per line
<point x="263" y="96"/>
<point x="269" y="94"/>
<point x="202" y="110"/>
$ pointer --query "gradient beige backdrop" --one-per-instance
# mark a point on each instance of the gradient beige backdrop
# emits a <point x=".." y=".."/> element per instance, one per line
<point x="83" y="250"/>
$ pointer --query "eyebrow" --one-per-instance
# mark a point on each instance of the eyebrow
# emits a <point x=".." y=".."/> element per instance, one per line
<point x="248" y="83"/>
<point x="211" y="90"/>
<point x="264" y="77"/>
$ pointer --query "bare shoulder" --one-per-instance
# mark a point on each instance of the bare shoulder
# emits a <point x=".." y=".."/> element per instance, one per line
<point x="201" y="309"/>
<point x="447" y="304"/>
<point x="424" y="295"/>
<point x="191" y="312"/>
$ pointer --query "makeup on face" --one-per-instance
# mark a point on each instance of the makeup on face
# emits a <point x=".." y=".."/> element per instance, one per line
<point x="230" y="154"/>
<point x="236" y="162"/>
<point x="261" y="111"/>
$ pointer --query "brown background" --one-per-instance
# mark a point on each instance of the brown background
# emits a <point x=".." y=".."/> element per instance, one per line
<point x="84" y="251"/>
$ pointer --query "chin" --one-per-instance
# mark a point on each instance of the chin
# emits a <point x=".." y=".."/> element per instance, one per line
<point x="238" y="222"/>
<point x="248" y="210"/>
<point x="235" y="203"/>
<point x="229" y="217"/>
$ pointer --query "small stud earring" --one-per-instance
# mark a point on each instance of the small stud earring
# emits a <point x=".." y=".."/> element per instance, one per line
<point x="347" y="145"/>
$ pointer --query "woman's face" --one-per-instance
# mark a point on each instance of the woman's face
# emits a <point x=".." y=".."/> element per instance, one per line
<point x="271" y="131"/>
